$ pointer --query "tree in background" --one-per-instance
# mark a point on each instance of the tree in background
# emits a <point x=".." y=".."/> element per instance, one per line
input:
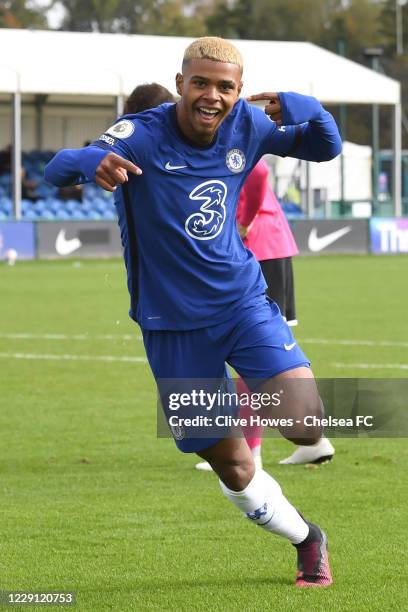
<point x="20" y="14"/>
<point x="171" y="18"/>
<point x="317" y="21"/>
<point x="159" y="17"/>
<point x="269" y="19"/>
<point x="92" y="16"/>
<point x="395" y="61"/>
<point x="357" y="24"/>
<point x="388" y="27"/>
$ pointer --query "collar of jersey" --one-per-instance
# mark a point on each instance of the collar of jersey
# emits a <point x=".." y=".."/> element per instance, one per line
<point x="174" y="122"/>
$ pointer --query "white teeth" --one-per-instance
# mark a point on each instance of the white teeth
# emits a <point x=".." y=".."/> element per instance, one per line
<point x="208" y="111"/>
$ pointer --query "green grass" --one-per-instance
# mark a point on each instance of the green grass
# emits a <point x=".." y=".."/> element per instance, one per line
<point x="93" y="502"/>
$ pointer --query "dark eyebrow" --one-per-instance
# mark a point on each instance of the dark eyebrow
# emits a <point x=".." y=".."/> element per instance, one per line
<point x="224" y="82"/>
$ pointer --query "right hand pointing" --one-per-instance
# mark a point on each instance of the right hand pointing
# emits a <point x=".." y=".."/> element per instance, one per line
<point x="113" y="171"/>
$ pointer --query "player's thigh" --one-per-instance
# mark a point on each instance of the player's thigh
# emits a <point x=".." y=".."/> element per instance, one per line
<point x="182" y="354"/>
<point x="187" y="366"/>
<point x="264" y="345"/>
<point x="273" y="365"/>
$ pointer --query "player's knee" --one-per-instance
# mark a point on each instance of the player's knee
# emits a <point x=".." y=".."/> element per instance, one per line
<point x="236" y="475"/>
<point x="306" y="429"/>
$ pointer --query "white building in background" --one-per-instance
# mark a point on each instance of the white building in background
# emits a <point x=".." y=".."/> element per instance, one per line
<point x="326" y="177"/>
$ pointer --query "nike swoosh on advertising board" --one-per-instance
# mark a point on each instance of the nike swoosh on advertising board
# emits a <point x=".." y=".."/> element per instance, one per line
<point x="316" y="243"/>
<point x="63" y="246"/>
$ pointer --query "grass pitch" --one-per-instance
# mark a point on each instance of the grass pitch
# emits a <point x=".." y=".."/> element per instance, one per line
<point x="93" y="502"/>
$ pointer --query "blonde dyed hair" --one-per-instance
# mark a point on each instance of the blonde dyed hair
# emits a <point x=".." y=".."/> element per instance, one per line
<point x="215" y="49"/>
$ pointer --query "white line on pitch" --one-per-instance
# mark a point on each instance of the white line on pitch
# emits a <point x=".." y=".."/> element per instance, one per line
<point x="26" y="336"/>
<point x="372" y="366"/>
<point x="52" y="357"/>
<point x="129" y="337"/>
<point x="351" y="342"/>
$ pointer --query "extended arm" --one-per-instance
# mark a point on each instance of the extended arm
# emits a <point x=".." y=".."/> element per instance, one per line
<point x="74" y="166"/>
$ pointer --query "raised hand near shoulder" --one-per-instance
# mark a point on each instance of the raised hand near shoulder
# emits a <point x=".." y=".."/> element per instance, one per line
<point x="290" y="108"/>
<point x="273" y="106"/>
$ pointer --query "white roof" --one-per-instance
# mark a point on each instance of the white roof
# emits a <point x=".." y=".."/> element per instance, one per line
<point x="73" y="63"/>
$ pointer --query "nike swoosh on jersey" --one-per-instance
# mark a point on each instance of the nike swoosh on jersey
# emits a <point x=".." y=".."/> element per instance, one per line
<point x="289" y="347"/>
<point x="169" y="166"/>
<point x="316" y="243"/>
<point x="64" y="246"/>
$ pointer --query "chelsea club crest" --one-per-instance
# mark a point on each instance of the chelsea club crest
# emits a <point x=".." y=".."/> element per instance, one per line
<point x="235" y="160"/>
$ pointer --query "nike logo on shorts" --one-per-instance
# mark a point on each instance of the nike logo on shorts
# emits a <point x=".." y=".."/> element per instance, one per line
<point x="289" y="347"/>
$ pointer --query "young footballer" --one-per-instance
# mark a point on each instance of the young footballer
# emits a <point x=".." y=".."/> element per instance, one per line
<point x="196" y="292"/>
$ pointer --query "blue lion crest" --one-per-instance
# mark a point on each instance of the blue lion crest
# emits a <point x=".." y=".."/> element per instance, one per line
<point x="254" y="516"/>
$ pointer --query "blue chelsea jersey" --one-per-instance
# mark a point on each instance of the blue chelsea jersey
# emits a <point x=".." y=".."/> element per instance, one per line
<point x="186" y="265"/>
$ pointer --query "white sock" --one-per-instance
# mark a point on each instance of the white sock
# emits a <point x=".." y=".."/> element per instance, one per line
<point x="263" y="502"/>
<point x="256" y="451"/>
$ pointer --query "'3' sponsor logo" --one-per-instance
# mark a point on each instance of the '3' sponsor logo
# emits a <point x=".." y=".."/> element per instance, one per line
<point x="207" y="223"/>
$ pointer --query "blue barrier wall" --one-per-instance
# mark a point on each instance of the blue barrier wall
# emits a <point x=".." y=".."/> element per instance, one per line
<point x="20" y="236"/>
<point x="388" y="235"/>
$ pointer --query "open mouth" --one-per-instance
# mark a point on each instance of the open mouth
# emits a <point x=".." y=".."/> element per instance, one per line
<point x="208" y="115"/>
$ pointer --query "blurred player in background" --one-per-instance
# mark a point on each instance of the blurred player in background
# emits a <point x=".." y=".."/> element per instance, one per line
<point x="265" y="230"/>
<point x="146" y="96"/>
<point x="196" y="292"/>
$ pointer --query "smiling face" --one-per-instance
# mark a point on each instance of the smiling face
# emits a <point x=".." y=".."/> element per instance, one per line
<point x="208" y="89"/>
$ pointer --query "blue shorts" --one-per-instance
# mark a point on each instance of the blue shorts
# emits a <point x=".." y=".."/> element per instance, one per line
<point x="257" y="343"/>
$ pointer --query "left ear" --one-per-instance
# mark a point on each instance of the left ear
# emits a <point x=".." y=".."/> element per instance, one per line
<point x="241" y="83"/>
<point x="179" y="83"/>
